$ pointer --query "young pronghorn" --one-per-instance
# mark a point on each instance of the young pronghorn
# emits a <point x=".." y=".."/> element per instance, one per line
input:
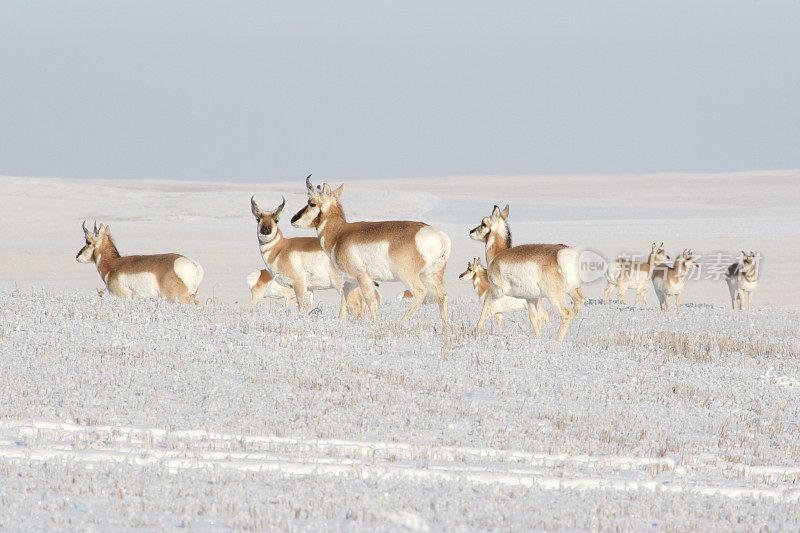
<point x="669" y="281"/>
<point x="299" y="263"/>
<point x="261" y="283"/>
<point x="530" y="272"/>
<point x="627" y="274"/>
<point x="480" y="280"/>
<point x="364" y="252"/>
<point x="172" y="276"/>
<point x="742" y="277"/>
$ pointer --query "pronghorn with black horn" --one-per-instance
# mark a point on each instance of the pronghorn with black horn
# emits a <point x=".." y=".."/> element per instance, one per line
<point x="627" y="274"/>
<point x="172" y="276"/>
<point x="299" y="262"/>
<point x="742" y="277"/>
<point x="480" y="280"/>
<point x="530" y="272"/>
<point x="364" y="252"/>
<point x="669" y="280"/>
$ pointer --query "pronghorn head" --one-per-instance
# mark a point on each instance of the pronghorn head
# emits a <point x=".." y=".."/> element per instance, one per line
<point x="474" y="268"/>
<point x="320" y="200"/>
<point x="267" y="220"/>
<point x="494" y="224"/>
<point x="93" y="240"/>
<point x="658" y="253"/>
<point x="688" y="258"/>
<point x="748" y="261"/>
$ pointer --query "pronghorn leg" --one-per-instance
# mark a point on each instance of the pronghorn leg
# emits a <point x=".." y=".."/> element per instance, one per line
<point x="435" y="283"/>
<point x="644" y="297"/>
<point x="577" y="302"/>
<point x="368" y="293"/>
<point x="299" y="293"/>
<point x="419" y="291"/>
<point x="287" y="299"/>
<point x="749" y="299"/>
<point x="309" y="300"/>
<point x="621" y="288"/>
<point x="484" y="314"/>
<point x="677" y="302"/>
<point x="609" y="286"/>
<point x="346" y="288"/>
<point x="665" y="306"/>
<point x="543" y="314"/>
<point x="499" y="318"/>
<point x="564" y="311"/>
<point x="740" y="297"/>
<point x="533" y="315"/>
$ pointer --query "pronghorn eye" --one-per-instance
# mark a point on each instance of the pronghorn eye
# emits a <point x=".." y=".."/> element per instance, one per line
<point x="311" y="204"/>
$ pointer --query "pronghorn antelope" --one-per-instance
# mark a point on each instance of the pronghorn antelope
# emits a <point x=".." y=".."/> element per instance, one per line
<point x="742" y="277"/>
<point x="261" y="283"/>
<point x="480" y="280"/>
<point x="172" y="276"/>
<point x="669" y="281"/>
<point x="627" y="274"/>
<point x="364" y="252"/>
<point x="299" y="263"/>
<point x="530" y="272"/>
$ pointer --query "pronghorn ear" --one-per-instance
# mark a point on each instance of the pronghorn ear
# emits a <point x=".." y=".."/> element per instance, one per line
<point x="661" y="245"/>
<point x="495" y="212"/>
<point x="477" y="261"/>
<point x="338" y="192"/>
<point x="277" y="212"/>
<point x="105" y="230"/>
<point x="254" y="207"/>
<point x="326" y="189"/>
<point x="504" y="212"/>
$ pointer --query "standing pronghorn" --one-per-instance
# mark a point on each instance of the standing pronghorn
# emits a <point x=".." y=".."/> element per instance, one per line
<point x="529" y="271"/>
<point x="742" y="277"/>
<point x="299" y="263"/>
<point x="172" y="276"/>
<point x="669" y="281"/>
<point x="480" y="280"/>
<point x="364" y="252"/>
<point x="627" y="274"/>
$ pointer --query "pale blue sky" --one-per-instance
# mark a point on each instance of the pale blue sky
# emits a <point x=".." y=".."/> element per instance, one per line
<point x="252" y="91"/>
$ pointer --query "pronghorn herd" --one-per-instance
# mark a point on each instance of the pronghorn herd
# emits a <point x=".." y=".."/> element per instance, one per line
<point x="351" y="257"/>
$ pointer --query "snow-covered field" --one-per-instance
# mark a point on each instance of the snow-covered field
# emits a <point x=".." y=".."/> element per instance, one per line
<point x="119" y="414"/>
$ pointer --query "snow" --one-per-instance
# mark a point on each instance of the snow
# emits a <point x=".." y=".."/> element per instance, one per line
<point x="145" y="414"/>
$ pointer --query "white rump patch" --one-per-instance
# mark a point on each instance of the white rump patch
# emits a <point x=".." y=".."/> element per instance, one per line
<point x="190" y="272"/>
<point x="433" y="246"/>
<point x="569" y="265"/>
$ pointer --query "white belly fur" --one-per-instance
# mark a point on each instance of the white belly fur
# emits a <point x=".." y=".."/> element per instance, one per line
<point x="523" y="279"/>
<point x="141" y="285"/>
<point x="373" y="258"/>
